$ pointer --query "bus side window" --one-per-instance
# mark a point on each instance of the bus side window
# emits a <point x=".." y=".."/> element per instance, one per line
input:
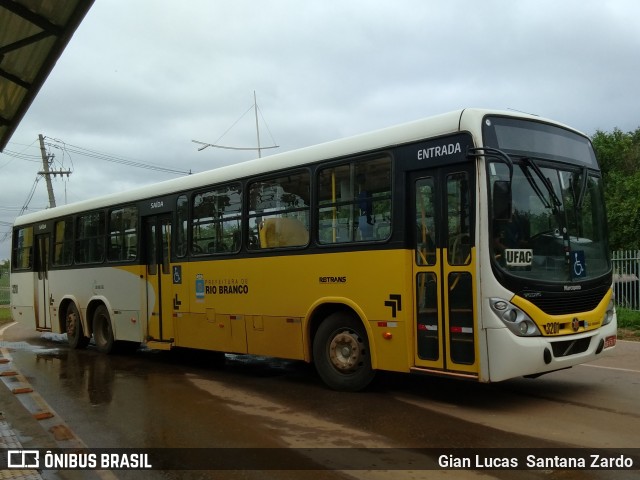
<point x="63" y="243"/>
<point x="425" y="222"/>
<point x="123" y="237"/>
<point x="217" y="220"/>
<point x="90" y="229"/>
<point x="354" y="202"/>
<point x="23" y="249"/>
<point x="279" y="211"/>
<point x="459" y="218"/>
<point x="182" y="209"/>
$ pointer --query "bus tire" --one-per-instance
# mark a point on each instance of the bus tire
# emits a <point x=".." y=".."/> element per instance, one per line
<point x="73" y="326"/>
<point x="341" y="353"/>
<point x="102" y="330"/>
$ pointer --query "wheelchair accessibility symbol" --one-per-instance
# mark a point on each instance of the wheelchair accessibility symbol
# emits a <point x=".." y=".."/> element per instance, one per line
<point x="578" y="264"/>
<point x="177" y="274"/>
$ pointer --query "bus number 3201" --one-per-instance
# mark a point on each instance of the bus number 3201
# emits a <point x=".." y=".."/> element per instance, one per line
<point x="552" y="328"/>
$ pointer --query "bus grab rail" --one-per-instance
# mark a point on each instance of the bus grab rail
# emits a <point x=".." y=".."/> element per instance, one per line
<point x="480" y="151"/>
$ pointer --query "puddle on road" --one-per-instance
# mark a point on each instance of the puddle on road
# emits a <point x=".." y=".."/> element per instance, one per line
<point x="48" y="337"/>
<point x="17" y="345"/>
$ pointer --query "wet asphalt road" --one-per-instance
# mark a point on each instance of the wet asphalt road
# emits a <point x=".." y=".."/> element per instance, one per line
<point x="148" y="399"/>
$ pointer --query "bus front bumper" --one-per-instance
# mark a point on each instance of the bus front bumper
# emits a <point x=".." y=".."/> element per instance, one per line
<point x="511" y="356"/>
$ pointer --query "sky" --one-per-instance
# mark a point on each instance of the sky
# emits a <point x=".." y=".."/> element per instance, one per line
<point x="141" y="79"/>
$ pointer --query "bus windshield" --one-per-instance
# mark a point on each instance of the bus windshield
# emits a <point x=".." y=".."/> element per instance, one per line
<point x="555" y="230"/>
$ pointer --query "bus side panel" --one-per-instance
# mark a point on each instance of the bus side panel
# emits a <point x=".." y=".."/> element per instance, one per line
<point x="122" y="288"/>
<point x="212" y="331"/>
<point x="118" y="285"/>
<point x="275" y="336"/>
<point x="23" y="298"/>
<point x="392" y="345"/>
<point x="276" y="295"/>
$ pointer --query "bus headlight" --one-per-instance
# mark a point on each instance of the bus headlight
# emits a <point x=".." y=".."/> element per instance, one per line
<point x="515" y="319"/>
<point x="608" y="316"/>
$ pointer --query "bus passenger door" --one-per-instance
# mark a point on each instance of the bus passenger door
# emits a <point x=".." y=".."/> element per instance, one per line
<point x="159" y="280"/>
<point x="442" y="212"/>
<point x="42" y="295"/>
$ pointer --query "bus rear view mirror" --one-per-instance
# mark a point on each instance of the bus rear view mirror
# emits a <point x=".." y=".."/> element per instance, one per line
<point x="502" y="200"/>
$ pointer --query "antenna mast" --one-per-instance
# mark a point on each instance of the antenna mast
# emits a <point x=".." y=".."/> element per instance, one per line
<point x="255" y="110"/>
<point x="259" y="148"/>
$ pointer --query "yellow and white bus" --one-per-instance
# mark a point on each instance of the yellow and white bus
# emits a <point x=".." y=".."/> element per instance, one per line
<point x="472" y="244"/>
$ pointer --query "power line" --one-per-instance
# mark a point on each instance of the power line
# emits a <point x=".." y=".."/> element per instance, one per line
<point x="22" y="156"/>
<point x="9" y="209"/>
<point x="68" y="149"/>
<point x="75" y="149"/>
<point x="30" y="195"/>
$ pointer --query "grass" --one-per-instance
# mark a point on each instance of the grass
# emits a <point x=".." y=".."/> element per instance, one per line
<point x="628" y="324"/>
<point x="5" y="315"/>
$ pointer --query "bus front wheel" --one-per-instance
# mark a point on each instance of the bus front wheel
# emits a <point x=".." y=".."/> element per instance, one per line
<point x="73" y="327"/>
<point x="341" y="353"/>
<point x="102" y="330"/>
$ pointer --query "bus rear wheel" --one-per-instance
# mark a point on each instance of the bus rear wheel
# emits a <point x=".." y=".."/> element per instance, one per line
<point x="341" y="353"/>
<point x="102" y="330"/>
<point x="73" y="326"/>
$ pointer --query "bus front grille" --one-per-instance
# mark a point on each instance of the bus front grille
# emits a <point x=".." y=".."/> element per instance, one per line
<point x="567" y="303"/>
<point x="565" y="348"/>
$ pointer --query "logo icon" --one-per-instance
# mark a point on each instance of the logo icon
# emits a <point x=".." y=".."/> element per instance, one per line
<point x="395" y="302"/>
<point x="575" y="324"/>
<point x="200" y="286"/>
<point x="177" y="274"/>
<point x="578" y="264"/>
<point x="23" y="459"/>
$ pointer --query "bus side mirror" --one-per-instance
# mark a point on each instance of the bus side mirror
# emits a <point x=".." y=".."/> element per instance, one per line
<point x="502" y="200"/>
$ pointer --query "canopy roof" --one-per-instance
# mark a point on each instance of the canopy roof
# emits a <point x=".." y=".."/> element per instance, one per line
<point x="33" y="35"/>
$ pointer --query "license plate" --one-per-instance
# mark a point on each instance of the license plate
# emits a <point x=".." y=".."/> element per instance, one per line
<point x="610" y="341"/>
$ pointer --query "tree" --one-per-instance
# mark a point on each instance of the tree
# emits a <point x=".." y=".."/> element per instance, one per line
<point x="619" y="157"/>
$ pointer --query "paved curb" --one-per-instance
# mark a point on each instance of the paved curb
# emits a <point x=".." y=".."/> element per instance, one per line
<point x="28" y="422"/>
<point x="18" y="429"/>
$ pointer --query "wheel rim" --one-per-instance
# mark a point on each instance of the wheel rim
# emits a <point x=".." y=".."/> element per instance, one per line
<point x="345" y="351"/>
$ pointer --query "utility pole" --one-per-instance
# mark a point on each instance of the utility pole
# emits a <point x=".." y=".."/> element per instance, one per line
<point x="47" y="174"/>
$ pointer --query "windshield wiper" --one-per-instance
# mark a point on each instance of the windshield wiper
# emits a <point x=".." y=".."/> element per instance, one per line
<point x="535" y="188"/>
<point x="545" y="181"/>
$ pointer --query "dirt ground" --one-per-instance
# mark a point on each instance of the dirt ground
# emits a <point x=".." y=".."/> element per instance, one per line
<point x="629" y="334"/>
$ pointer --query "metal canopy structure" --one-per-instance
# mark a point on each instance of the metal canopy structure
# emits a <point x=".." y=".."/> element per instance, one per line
<point x="33" y="35"/>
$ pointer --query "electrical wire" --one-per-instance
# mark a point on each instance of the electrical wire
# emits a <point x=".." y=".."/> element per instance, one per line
<point x="30" y="196"/>
<point x="21" y="156"/>
<point x="75" y="149"/>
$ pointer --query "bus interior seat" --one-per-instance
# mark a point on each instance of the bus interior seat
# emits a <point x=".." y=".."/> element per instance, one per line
<point x="283" y="232"/>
